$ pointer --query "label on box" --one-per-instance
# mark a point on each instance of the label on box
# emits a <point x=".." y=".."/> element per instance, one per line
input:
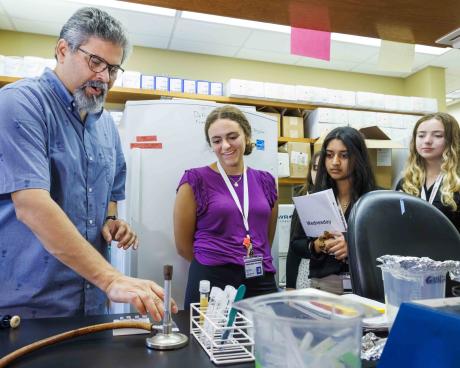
<point x="147" y="82"/>
<point x="299" y="158"/>
<point x="260" y="145"/>
<point x="189" y="86"/>
<point x="294" y="133"/>
<point x="383" y="157"/>
<point x="162" y="83"/>
<point x="217" y="89"/>
<point x="202" y="87"/>
<point x="175" y="85"/>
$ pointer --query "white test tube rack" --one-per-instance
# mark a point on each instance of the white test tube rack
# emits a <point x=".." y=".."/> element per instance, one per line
<point x="208" y="330"/>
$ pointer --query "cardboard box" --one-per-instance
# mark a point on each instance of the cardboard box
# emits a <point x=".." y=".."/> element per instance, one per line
<point x="379" y="147"/>
<point x="189" y="86"/>
<point x="147" y="82"/>
<point x="202" y="87"/>
<point x="216" y="89"/>
<point x="283" y="165"/>
<point x="162" y="83"/>
<point x="299" y="157"/>
<point x="176" y="85"/>
<point x="292" y="127"/>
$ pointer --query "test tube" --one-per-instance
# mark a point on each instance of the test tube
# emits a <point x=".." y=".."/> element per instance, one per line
<point x="205" y="287"/>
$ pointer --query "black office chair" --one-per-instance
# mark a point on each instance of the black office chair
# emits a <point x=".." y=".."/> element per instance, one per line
<point x="389" y="222"/>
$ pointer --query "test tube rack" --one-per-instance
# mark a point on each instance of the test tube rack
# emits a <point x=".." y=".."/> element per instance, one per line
<point x="209" y="331"/>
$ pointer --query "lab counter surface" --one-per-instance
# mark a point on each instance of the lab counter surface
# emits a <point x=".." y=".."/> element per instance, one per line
<point x="102" y="349"/>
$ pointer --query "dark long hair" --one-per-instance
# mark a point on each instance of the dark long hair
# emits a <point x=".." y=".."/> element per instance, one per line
<point x="359" y="166"/>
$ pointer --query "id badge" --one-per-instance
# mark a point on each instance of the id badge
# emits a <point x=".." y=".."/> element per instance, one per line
<point x="346" y="282"/>
<point x="253" y="267"/>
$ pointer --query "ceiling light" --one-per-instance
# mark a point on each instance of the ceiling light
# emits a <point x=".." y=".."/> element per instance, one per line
<point x="451" y="39"/>
<point x="360" y="40"/>
<point x="236" y="22"/>
<point x="422" y="49"/>
<point x="123" y="5"/>
<point x="454" y="94"/>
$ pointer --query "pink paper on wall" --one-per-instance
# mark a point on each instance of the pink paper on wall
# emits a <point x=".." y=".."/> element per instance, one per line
<point x="310" y="43"/>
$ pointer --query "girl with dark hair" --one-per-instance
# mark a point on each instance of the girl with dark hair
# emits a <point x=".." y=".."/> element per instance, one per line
<point x="433" y="170"/>
<point x="344" y="167"/>
<point x="213" y="228"/>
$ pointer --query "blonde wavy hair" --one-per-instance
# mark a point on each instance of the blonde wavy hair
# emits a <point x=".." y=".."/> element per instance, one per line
<point x="414" y="173"/>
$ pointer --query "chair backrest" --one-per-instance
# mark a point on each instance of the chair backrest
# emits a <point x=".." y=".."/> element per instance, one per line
<point x="388" y="222"/>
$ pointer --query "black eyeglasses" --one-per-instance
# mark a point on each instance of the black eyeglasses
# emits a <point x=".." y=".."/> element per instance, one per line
<point x="98" y="65"/>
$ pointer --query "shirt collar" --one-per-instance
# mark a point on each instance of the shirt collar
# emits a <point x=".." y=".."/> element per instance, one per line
<point x="58" y="87"/>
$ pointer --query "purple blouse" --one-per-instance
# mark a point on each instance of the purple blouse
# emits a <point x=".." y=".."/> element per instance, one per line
<point x="219" y="225"/>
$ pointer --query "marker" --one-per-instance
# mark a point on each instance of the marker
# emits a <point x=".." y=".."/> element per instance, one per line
<point x="232" y="315"/>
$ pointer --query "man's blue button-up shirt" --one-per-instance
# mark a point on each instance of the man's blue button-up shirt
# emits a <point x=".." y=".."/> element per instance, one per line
<point x="44" y="144"/>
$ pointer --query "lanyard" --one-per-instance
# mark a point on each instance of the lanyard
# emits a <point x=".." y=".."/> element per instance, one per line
<point x="436" y="185"/>
<point x="235" y="197"/>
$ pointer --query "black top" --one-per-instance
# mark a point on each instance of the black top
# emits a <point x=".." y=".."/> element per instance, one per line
<point x="453" y="216"/>
<point x="321" y="264"/>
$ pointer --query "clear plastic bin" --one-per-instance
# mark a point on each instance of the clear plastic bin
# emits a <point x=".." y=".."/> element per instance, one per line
<point x="302" y="329"/>
<point x="403" y="286"/>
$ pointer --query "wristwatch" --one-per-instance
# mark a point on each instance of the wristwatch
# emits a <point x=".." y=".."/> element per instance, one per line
<point x="111" y="218"/>
<point x="322" y="245"/>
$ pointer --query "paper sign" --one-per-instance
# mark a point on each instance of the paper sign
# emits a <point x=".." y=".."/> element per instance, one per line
<point x="310" y="43"/>
<point x="318" y="212"/>
<point x="396" y="56"/>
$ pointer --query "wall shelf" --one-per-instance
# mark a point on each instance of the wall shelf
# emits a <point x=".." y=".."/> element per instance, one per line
<point x="121" y="95"/>
<point x="282" y="140"/>
<point x="291" y="181"/>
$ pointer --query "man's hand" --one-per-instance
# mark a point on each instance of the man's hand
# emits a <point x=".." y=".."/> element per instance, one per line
<point x="121" y="232"/>
<point x="145" y="295"/>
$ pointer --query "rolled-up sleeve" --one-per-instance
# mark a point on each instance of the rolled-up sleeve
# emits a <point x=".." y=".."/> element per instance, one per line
<point x="23" y="149"/>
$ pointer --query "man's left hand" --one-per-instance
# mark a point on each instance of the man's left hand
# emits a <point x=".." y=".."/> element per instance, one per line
<point x="121" y="232"/>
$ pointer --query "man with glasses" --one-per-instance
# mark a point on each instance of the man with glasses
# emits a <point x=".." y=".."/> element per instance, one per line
<point x="62" y="172"/>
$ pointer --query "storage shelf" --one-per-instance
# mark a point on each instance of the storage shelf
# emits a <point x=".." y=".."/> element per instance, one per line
<point x="121" y="95"/>
<point x="282" y="140"/>
<point x="291" y="181"/>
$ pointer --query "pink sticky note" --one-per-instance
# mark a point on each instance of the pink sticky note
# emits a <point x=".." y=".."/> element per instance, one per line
<point x="310" y="43"/>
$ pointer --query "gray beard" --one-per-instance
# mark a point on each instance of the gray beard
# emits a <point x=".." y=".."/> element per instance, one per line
<point x="90" y="104"/>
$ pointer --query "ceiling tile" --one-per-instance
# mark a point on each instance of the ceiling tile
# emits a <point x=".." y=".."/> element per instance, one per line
<point x="452" y="83"/>
<point x="149" y="40"/>
<point x="269" y="41"/>
<point x="52" y="10"/>
<point x="136" y="22"/>
<point x="373" y="69"/>
<point x="323" y="64"/>
<point x="209" y="32"/>
<point x="345" y="51"/>
<point x="40" y="27"/>
<point x="268" y="56"/>
<point x="203" y="47"/>
<point x="422" y="60"/>
<point x="5" y="23"/>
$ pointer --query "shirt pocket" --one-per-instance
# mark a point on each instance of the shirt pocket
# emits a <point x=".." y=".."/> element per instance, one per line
<point x="109" y="158"/>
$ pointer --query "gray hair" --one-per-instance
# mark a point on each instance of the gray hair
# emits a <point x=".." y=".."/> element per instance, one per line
<point x="93" y="22"/>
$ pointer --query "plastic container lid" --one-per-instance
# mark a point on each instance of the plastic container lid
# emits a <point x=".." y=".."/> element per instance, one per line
<point x="205" y="286"/>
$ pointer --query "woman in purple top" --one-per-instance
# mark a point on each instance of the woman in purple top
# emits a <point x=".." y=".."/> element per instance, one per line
<point x="225" y="213"/>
